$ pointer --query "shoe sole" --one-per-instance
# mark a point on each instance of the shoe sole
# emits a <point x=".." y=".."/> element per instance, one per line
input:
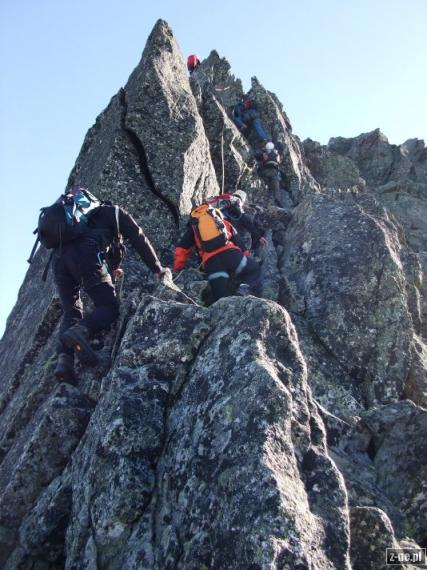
<point x="81" y="347"/>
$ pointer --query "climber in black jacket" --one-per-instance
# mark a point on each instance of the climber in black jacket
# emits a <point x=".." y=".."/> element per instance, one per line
<point x="268" y="161"/>
<point x="231" y="206"/>
<point x="82" y="263"/>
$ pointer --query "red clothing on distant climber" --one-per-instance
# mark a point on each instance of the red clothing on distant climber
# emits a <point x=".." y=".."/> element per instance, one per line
<point x="193" y="63"/>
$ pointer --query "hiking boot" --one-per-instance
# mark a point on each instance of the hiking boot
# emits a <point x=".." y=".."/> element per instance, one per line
<point x="64" y="371"/>
<point x="243" y="290"/>
<point x="77" y="338"/>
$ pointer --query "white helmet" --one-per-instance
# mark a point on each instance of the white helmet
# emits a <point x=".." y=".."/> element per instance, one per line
<point x="269" y="146"/>
<point x="241" y="195"/>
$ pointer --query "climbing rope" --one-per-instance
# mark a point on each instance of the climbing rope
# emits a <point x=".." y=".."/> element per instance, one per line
<point x="177" y="277"/>
<point x="222" y="160"/>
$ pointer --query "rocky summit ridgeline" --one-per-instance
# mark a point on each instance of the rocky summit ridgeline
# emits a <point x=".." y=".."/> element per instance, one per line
<point x="288" y="431"/>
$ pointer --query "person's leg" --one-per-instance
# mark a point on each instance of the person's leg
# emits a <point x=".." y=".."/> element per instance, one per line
<point x="69" y="294"/>
<point x="91" y="271"/>
<point x="220" y="286"/>
<point x="106" y="308"/>
<point x="271" y="176"/>
<point x="244" y="267"/>
<point x="257" y="125"/>
<point x="250" y="273"/>
<point x="218" y="276"/>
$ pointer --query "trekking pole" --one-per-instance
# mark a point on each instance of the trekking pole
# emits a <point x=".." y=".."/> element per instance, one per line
<point x="33" y="251"/>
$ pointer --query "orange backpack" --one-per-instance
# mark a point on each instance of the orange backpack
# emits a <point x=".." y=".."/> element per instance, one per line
<point x="209" y="228"/>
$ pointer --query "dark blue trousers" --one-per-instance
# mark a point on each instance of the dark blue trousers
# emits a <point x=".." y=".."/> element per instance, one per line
<point x="79" y="265"/>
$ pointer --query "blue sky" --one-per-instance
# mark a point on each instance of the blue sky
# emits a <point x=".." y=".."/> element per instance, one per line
<point x="339" y="67"/>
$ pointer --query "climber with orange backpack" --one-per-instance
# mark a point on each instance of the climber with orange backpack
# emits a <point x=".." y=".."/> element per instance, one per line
<point x="193" y="63"/>
<point x="217" y="243"/>
<point x="232" y="208"/>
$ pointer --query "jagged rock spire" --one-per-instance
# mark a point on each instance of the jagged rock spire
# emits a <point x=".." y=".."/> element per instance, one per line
<point x="237" y="435"/>
<point x="162" y="113"/>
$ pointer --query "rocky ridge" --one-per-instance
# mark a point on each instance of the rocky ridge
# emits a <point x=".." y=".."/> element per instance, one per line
<point x="284" y="432"/>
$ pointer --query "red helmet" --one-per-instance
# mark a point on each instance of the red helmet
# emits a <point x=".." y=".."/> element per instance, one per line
<point x="193" y="60"/>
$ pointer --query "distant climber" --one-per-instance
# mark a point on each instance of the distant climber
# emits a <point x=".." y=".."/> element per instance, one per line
<point x="268" y="161"/>
<point x="232" y="208"/>
<point x="83" y="232"/>
<point x="193" y="63"/>
<point x="219" y="247"/>
<point x="245" y="115"/>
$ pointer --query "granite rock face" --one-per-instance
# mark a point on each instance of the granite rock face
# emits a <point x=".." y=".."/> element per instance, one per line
<point x="345" y="275"/>
<point x="396" y="175"/>
<point x="284" y="432"/>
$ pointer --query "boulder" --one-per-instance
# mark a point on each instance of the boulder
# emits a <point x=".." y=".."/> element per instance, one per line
<point x="344" y="274"/>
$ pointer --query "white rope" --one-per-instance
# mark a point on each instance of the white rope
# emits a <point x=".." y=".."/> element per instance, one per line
<point x="222" y="160"/>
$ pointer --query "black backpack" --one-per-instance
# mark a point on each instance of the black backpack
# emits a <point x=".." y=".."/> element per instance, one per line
<point x="116" y="250"/>
<point x="67" y="219"/>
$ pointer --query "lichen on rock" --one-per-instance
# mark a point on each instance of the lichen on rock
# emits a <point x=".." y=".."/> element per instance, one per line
<point x="286" y="431"/>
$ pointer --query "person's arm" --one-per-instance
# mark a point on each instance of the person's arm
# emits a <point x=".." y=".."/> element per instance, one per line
<point x="238" y="116"/>
<point x="134" y="233"/>
<point x="183" y="249"/>
<point x="249" y="225"/>
<point x="233" y="236"/>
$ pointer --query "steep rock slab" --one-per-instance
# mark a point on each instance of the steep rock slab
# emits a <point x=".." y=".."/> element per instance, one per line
<point x="397" y="175"/>
<point x="330" y="380"/>
<point x="230" y="152"/>
<point x="378" y="161"/>
<point x="297" y="177"/>
<point x="401" y="468"/>
<point x="344" y="274"/>
<point x="42" y="534"/>
<point x="162" y="114"/>
<point x="380" y="455"/>
<point x="416" y="151"/>
<point x="37" y="457"/>
<point x="31" y="321"/>
<point x="371" y="534"/>
<point x="329" y="168"/>
<point x="416" y="384"/>
<point x="167" y="476"/>
<point x="114" y="469"/>
<point x="404" y="198"/>
<point x="23" y="347"/>
<point x="216" y="92"/>
<point x="244" y="480"/>
<point x="407" y="200"/>
<point x="112" y="165"/>
<point x="216" y="71"/>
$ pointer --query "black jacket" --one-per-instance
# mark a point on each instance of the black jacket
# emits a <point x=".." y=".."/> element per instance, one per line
<point x="103" y="224"/>
<point x="242" y="221"/>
